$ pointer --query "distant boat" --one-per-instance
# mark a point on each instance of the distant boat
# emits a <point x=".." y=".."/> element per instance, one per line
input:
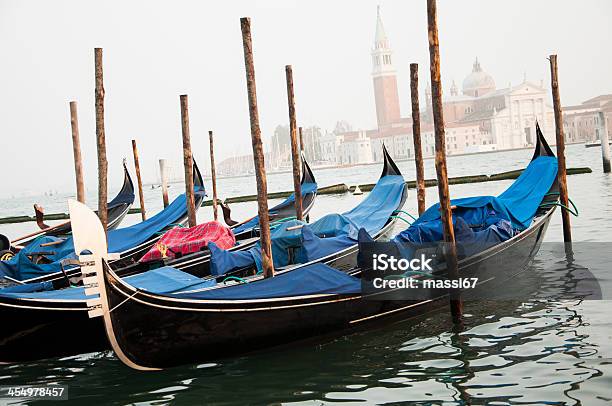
<point x="357" y="191"/>
<point x="594" y="144"/>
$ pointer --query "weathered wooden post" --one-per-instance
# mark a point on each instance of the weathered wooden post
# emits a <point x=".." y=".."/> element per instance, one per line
<point x="445" y="205"/>
<point x="101" y="140"/>
<point x="416" y="136"/>
<point x="164" y="181"/>
<point x="213" y="175"/>
<point x="605" y="142"/>
<point x="76" y="150"/>
<point x="295" y="154"/>
<point x="143" y="213"/>
<point x="561" y="172"/>
<point x="301" y="140"/>
<point x="188" y="161"/>
<point x="258" y="154"/>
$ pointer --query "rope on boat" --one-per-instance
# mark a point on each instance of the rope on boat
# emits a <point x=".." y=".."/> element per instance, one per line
<point x="276" y="223"/>
<point x="573" y="210"/>
<point x="123" y="302"/>
<point x="235" y="278"/>
<point x="401" y="218"/>
<point x="406" y="213"/>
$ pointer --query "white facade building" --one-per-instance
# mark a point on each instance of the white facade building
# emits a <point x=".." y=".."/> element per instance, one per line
<point x="355" y="148"/>
<point x="510" y="115"/>
<point x="329" y="148"/>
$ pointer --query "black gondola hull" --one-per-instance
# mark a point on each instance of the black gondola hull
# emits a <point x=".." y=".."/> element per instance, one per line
<point x="38" y="329"/>
<point x="60" y="323"/>
<point x="30" y="334"/>
<point x="118" y="208"/>
<point x="157" y="332"/>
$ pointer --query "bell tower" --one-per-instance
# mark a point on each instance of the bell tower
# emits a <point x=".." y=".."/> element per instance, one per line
<point x="384" y="78"/>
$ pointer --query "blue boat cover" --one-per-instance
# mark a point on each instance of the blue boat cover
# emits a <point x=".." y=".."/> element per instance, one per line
<point x="330" y="234"/>
<point x="483" y="221"/>
<point x="222" y="260"/>
<point x="310" y="280"/>
<point x="374" y="211"/>
<point x="20" y="267"/>
<point x="307" y="188"/>
<point x="163" y="280"/>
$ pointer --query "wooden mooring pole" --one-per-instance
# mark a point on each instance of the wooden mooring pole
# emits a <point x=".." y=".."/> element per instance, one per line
<point x="258" y="154"/>
<point x="416" y="136"/>
<point x="188" y="161"/>
<point x="213" y="175"/>
<point x="76" y="150"/>
<point x="101" y="140"/>
<point x="295" y="154"/>
<point x="561" y="171"/>
<point x="605" y="142"/>
<point x="143" y="213"/>
<point x="164" y="181"/>
<point x="445" y="205"/>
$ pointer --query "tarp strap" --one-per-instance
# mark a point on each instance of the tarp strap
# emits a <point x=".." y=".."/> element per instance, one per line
<point x="235" y="278"/>
<point x="406" y="213"/>
<point x="564" y="207"/>
<point x="400" y="218"/>
<point x="574" y="212"/>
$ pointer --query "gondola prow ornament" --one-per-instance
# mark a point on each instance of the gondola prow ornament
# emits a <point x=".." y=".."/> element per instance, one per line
<point x="91" y="248"/>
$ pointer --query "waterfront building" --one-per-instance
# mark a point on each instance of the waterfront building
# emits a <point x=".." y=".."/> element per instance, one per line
<point x="586" y="121"/>
<point x="481" y="118"/>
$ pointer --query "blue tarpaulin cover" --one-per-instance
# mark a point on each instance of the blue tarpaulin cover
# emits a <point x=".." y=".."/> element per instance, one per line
<point x="20" y="267"/>
<point x="161" y="280"/>
<point x="309" y="280"/>
<point x="483" y="221"/>
<point x="307" y="188"/>
<point x="330" y="234"/>
<point x="222" y="260"/>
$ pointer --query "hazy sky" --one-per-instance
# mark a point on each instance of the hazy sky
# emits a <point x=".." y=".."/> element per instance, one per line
<point x="155" y="51"/>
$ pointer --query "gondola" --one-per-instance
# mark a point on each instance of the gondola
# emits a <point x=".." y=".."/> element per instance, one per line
<point x="376" y="212"/>
<point x="283" y="210"/>
<point x="245" y="232"/>
<point x="59" y="319"/>
<point x="150" y="330"/>
<point x="129" y="242"/>
<point x="132" y="245"/>
<point x="118" y="208"/>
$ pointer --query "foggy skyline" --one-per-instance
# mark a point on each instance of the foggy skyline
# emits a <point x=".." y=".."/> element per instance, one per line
<point x="153" y="52"/>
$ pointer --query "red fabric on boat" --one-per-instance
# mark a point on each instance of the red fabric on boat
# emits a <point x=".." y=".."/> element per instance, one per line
<point x="189" y="240"/>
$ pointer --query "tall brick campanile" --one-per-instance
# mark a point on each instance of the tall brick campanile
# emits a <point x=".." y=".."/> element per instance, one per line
<point x="383" y="76"/>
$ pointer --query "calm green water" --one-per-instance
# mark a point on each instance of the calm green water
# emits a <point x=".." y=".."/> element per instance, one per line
<point x="542" y="349"/>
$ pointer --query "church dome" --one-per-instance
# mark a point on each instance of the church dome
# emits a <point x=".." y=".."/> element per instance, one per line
<point x="478" y="82"/>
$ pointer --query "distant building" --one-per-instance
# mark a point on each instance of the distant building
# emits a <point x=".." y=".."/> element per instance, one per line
<point x="509" y="115"/>
<point x="240" y="165"/>
<point x="384" y="78"/>
<point x="354" y="148"/>
<point x="481" y="118"/>
<point x="585" y="122"/>
<point x="329" y="148"/>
